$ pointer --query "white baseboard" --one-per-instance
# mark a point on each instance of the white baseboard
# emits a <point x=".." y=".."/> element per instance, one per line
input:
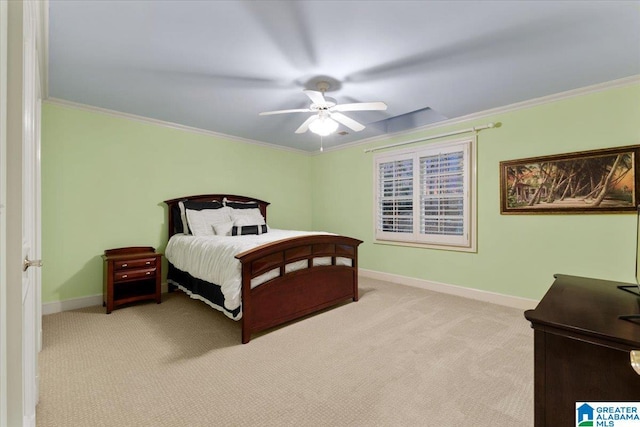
<point x="490" y="297"/>
<point x="71" y="304"/>
<point x="76" y="303"/>
<point x="486" y="296"/>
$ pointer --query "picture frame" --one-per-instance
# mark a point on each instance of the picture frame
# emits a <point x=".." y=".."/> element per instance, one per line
<point x="597" y="181"/>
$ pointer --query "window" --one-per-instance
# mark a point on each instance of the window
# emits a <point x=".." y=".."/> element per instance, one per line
<point x="425" y="195"/>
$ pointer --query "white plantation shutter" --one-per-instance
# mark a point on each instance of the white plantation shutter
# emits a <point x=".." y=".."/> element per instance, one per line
<point x="395" y="210"/>
<point x="423" y="196"/>
<point x="443" y="191"/>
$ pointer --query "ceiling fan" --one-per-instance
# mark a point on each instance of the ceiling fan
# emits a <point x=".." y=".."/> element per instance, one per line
<point x="328" y="113"/>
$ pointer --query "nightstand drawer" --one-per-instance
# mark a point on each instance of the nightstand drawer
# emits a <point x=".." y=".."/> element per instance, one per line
<point x="141" y="273"/>
<point x="135" y="263"/>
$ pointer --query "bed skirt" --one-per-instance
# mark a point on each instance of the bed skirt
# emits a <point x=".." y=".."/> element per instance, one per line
<point x="202" y="290"/>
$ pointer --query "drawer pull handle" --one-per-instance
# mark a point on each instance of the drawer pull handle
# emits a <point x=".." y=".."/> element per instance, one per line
<point x="124" y="276"/>
<point x="148" y="273"/>
<point x="124" y="265"/>
<point x="634" y="355"/>
<point x="148" y="262"/>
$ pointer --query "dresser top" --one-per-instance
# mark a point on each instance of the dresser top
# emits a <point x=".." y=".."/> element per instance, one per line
<point x="589" y="306"/>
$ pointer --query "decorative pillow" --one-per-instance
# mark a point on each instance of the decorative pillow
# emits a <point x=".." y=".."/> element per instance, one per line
<point x="253" y="214"/>
<point x="196" y="206"/>
<point x="178" y="224"/>
<point x="201" y="222"/>
<point x="240" y="205"/>
<point x="183" y="218"/>
<point x="223" y="228"/>
<point x="245" y="220"/>
<point x="248" y="229"/>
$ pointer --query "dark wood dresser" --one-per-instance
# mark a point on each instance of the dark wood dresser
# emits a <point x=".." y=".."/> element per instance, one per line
<point x="582" y="350"/>
<point x="131" y="274"/>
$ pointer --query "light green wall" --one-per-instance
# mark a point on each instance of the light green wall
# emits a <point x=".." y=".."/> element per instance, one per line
<point x="517" y="254"/>
<point x="104" y="179"/>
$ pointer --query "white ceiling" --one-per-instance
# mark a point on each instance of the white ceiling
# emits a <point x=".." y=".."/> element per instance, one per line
<point x="215" y="65"/>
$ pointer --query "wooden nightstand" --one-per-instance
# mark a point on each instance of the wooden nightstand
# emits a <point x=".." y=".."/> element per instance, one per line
<point x="130" y="275"/>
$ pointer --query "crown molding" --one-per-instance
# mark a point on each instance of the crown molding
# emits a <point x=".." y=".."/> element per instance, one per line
<point x="169" y="125"/>
<point x="624" y="82"/>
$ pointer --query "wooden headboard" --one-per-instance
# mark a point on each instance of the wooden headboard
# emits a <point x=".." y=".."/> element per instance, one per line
<point x="173" y="205"/>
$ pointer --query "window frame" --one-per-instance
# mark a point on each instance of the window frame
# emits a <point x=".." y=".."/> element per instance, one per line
<point x="464" y="243"/>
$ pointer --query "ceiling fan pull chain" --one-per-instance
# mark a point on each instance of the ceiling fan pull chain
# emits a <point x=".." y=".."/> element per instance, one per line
<point x="321" y="149"/>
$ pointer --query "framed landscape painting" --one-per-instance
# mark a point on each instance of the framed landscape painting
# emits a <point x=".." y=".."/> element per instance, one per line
<point x="599" y="181"/>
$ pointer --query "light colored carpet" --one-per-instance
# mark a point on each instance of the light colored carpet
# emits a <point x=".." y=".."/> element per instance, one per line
<point x="400" y="356"/>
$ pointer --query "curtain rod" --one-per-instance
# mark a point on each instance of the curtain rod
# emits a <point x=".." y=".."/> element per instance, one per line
<point x="442" y="135"/>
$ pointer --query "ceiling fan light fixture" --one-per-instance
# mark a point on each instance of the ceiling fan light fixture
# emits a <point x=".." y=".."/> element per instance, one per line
<point x="328" y="113"/>
<point x="323" y="126"/>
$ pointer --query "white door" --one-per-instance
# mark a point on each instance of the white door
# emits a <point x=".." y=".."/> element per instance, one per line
<point x="3" y="215"/>
<point x="30" y="219"/>
<point x="21" y="191"/>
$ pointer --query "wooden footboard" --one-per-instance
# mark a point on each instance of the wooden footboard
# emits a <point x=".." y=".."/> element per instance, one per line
<point x="293" y="294"/>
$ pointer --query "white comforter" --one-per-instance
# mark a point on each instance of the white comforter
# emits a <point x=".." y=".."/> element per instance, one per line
<point x="212" y="258"/>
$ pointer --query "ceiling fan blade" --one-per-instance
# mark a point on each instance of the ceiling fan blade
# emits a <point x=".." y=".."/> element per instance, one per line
<point x="303" y="127"/>
<point x="296" y="110"/>
<point x="360" y="106"/>
<point x="348" y="122"/>
<point x="315" y="97"/>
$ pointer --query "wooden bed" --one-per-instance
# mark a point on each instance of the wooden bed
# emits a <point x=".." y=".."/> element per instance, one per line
<point x="292" y="294"/>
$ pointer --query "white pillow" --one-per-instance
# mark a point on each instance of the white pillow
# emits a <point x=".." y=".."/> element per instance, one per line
<point x="201" y="222"/>
<point x="245" y="220"/>
<point x="223" y="229"/>
<point x="253" y="214"/>
<point x="183" y="218"/>
<point x="183" y="214"/>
